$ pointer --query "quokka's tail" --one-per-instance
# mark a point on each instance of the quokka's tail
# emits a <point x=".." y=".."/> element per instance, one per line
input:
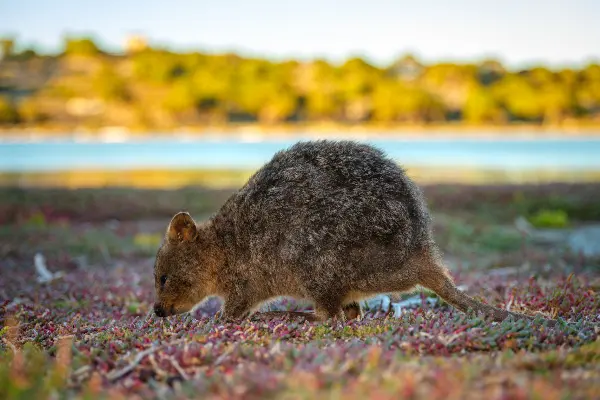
<point x="459" y="299"/>
<point x="433" y="275"/>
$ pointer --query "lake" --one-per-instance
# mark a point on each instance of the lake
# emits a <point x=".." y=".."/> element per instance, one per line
<point x="567" y="153"/>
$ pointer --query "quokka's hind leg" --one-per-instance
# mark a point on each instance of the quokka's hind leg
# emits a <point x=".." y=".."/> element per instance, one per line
<point x="433" y="275"/>
<point x="353" y="310"/>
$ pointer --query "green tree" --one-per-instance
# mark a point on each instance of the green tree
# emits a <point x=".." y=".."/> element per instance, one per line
<point x="24" y="55"/>
<point x="450" y="83"/>
<point x="189" y="87"/>
<point x="322" y="105"/>
<point x="213" y="87"/>
<point x="31" y="111"/>
<point x="109" y="86"/>
<point x="384" y="101"/>
<point x="482" y="107"/>
<point x="396" y="101"/>
<point x="7" y="47"/>
<point x="357" y="78"/>
<point x="155" y="66"/>
<point x="180" y="97"/>
<point x="278" y="107"/>
<point x="8" y="112"/>
<point x="520" y="97"/>
<point x="490" y="71"/>
<point x="417" y="105"/>
<point x="320" y="88"/>
<point x="80" y="46"/>
<point x="587" y="92"/>
<point x="557" y="102"/>
<point x="540" y="76"/>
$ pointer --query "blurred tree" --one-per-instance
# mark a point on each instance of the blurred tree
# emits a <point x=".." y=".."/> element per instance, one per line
<point x="109" y="86"/>
<point x="357" y="78"/>
<point x="481" y="107"/>
<point x="7" y="47"/>
<point x="211" y="83"/>
<point x="278" y="107"/>
<point x="8" y="112"/>
<point x="356" y="82"/>
<point x="25" y="55"/>
<point x="323" y="98"/>
<point x="384" y="101"/>
<point x="30" y="111"/>
<point x="180" y="97"/>
<point x="450" y="83"/>
<point x="520" y="98"/>
<point x="395" y="101"/>
<point x="568" y="77"/>
<point x="490" y="71"/>
<point x="557" y="102"/>
<point x="80" y="46"/>
<point x="156" y="66"/>
<point x="322" y="105"/>
<point x="587" y="92"/>
<point x="193" y="87"/>
<point x="417" y="105"/>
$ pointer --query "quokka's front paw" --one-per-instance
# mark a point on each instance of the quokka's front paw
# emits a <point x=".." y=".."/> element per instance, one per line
<point x="353" y="311"/>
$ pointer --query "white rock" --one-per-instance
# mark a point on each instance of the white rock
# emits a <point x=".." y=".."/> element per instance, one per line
<point x="586" y="240"/>
<point x="380" y="302"/>
<point x="412" y="301"/>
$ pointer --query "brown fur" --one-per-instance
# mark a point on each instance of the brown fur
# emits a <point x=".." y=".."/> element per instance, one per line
<point x="332" y="222"/>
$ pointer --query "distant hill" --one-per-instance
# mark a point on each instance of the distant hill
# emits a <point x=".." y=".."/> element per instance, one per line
<point x="154" y="89"/>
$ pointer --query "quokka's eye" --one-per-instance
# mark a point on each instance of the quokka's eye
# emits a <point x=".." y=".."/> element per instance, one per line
<point x="163" y="280"/>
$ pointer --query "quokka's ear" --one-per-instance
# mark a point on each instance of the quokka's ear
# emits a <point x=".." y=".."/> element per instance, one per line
<point x="182" y="228"/>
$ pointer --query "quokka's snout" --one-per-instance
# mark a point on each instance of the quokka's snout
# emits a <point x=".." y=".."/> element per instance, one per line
<point x="162" y="312"/>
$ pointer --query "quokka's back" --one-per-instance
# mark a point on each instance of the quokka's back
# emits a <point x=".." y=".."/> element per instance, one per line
<point x="329" y="196"/>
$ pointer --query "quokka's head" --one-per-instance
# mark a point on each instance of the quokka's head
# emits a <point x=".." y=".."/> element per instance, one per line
<point x="182" y="271"/>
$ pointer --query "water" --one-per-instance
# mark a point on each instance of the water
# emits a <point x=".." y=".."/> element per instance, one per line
<point x="168" y="153"/>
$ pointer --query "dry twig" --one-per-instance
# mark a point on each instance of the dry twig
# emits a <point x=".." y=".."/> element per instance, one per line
<point x="179" y="369"/>
<point x="117" y="374"/>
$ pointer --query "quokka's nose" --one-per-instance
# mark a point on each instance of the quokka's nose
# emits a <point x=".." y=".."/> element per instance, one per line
<point x="159" y="311"/>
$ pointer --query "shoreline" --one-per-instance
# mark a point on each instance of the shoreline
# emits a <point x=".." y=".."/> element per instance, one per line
<point x="256" y="132"/>
<point x="235" y="177"/>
